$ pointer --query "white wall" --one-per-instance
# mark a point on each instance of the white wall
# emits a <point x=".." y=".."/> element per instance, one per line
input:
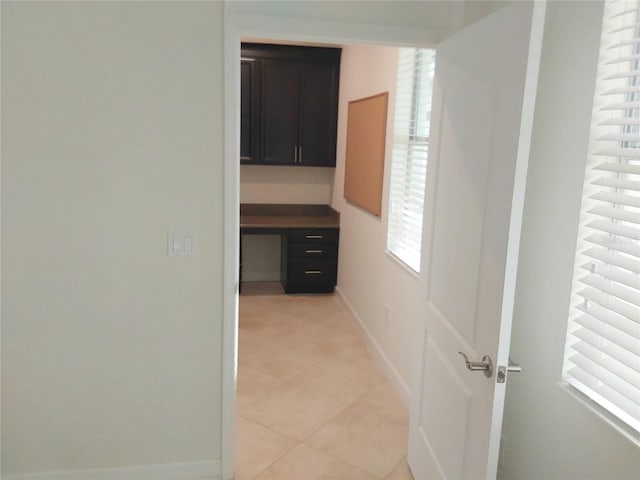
<point x="276" y="184"/>
<point x="476" y="10"/>
<point x="547" y="433"/>
<point x="383" y="294"/>
<point x="111" y="121"/>
<point x="441" y="16"/>
<point x="261" y="258"/>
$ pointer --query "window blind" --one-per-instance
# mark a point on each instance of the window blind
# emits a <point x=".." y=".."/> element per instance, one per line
<point x="602" y="357"/>
<point x="410" y="150"/>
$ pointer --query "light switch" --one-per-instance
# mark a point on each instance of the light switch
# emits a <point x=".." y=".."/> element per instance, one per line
<point x="181" y="243"/>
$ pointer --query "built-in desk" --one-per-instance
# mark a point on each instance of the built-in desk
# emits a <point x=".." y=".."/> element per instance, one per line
<point x="309" y="242"/>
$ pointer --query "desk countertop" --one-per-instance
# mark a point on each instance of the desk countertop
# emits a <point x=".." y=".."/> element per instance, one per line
<point x="256" y="215"/>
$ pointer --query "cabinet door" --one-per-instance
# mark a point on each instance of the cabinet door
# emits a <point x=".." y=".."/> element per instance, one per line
<point x="249" y="119"/>
<point x="279" y="112"/>
<point x="318" y="114"/>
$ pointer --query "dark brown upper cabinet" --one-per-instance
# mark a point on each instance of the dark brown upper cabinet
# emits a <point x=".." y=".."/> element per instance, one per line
<point x="249" y="107"/>
<point x="280" y="112"/>
<point x="297" y="105"/>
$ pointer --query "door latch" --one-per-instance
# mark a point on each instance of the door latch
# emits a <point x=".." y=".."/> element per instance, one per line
<point x="501" y="376"/>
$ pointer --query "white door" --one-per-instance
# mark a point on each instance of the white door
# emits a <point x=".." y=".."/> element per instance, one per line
<point x="484" y="92"/>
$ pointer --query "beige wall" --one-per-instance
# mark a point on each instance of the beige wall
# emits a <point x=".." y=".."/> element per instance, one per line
<point x="382" y="293"/>
<point x="547" y="433"/>
<point x="111" y="121"/>
<point x="275" y="184"/>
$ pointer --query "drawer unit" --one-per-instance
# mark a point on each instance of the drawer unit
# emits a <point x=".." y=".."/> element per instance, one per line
<point x="311" y="260"/>
<point x="311" y="275"/>
<point x="309" y="236"/>
<point x="314" y="251"/>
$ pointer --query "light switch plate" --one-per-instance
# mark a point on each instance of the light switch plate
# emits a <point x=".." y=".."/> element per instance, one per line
<point x="181" y="243"/>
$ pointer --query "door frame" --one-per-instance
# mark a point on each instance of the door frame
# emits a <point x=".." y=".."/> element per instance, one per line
<point x="236" y="27"/>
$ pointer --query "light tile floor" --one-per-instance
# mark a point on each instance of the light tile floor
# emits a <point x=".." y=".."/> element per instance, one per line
<point x="312" y="402"/>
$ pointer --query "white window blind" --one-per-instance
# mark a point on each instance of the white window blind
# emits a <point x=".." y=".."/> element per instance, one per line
<point x="410" y="149"/>
<point x="602" y="357"/>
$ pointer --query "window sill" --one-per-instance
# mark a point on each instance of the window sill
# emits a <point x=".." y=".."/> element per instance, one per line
<point x="403" y="265"/>
<point x="614" y="422"/>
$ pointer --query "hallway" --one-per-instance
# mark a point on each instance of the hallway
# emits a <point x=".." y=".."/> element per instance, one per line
<point x="312" y="402"/>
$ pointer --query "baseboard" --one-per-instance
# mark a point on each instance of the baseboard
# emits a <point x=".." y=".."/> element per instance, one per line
<point x="379" y="354"/>
<point x="209" y="470"/>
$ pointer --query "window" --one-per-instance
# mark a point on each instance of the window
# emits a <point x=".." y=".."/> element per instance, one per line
<point x="602" y="355"/>
<point x="410" y="148"/>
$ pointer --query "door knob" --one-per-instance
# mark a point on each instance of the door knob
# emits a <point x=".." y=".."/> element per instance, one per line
<point x="486" y="365"/>
<point x="513" y="366"/>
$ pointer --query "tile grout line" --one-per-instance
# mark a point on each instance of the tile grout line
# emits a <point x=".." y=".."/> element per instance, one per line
<point x="396" y="466"/>
<point x="333" y="418"/>
<point x="325" y="357"/>
<point x="298" y="442"/>
<point x="350" y="322"/>
<point x="331" y="357"/>
<point x="276" y="460"/>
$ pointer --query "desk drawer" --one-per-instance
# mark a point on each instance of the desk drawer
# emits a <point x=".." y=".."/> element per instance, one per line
<point x="311" y="275"/>
<point x="314" y="235"/>
<point x="314" y="251"/>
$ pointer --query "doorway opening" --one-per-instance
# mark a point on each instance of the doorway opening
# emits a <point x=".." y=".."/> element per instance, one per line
<point x="237" y="29"/>
<point x="308" y="389"/>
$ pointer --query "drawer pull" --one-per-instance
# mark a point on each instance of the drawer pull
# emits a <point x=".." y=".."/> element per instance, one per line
<point x="313" y="251"/>
<point x="312" y="272"/>
<point x="314" y="237"/>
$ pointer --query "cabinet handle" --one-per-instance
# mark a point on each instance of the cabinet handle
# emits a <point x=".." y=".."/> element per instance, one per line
<point x="295" y="154"/>
<point x="312" y="272"/>
<point x="299" y="154"/>
<point x="314" y="237"/>
<point x="313" y="251"/>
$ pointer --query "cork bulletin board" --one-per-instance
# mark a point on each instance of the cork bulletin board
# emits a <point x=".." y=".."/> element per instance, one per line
<point x="364" y="166"/>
